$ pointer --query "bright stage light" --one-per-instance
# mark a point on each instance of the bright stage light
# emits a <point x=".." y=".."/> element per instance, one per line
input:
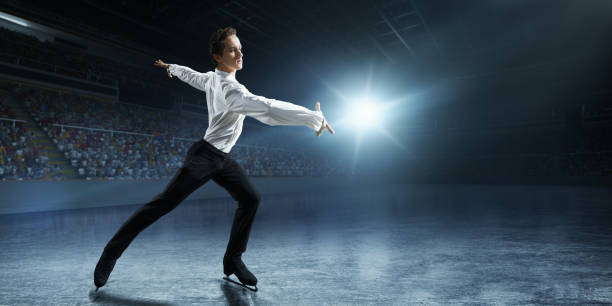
<point x="364" y="114"/>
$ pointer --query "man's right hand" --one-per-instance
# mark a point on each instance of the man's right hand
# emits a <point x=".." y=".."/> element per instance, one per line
<point x="161" y="63"/>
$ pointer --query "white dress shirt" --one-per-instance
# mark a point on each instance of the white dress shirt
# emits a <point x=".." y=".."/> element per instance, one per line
<point x="229" y="102"/>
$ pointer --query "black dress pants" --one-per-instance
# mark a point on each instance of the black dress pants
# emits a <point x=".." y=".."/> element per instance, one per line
<point x="202" y="163"/>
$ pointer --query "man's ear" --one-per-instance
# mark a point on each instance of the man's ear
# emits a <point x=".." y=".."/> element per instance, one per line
<point x="217" y="58"/>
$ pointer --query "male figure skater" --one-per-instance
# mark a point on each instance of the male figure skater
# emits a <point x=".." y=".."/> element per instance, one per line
<point x="228" y="103"/>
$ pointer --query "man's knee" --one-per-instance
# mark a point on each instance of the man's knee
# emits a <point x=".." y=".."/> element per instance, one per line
<point x="251" y="198"/>
<point x="254" y="197"/>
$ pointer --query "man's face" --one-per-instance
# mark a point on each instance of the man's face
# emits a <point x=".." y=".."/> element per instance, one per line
<point x="231" y="59"/>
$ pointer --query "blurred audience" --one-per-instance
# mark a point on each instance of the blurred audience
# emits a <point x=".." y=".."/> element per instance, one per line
<point x="155" y="141"/>
<point x="19" y="156"/>
<point x="139" y="142"/>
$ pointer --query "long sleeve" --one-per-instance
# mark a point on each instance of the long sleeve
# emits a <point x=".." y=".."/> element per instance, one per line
<point x="196" y="79"/>
<point x="269" y="111"/>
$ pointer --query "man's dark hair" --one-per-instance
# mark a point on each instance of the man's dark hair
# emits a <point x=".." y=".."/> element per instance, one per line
<point x="215" y="44"/>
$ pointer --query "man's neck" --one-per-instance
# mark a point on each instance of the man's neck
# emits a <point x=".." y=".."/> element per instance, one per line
<point x="230" y="71"/>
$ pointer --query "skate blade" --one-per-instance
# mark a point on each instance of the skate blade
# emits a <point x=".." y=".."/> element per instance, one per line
<point x="254" y="289"/>
<point x="94" y="295"/>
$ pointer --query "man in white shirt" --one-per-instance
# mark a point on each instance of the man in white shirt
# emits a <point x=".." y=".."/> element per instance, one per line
<point x="228" y="103"/>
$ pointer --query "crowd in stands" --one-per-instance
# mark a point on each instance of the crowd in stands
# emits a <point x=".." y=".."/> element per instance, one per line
<point x="59" y="107"/>
<point x="82" y="147"/>
<point x="5" y="110"/>
<point x="267" y="161"/>
<point x="139" y="142"/>
<point x="157" y="153"/>
<point x="163" y="137"/>
<point x="102" y="155"/>
<point x="19" y="156"/>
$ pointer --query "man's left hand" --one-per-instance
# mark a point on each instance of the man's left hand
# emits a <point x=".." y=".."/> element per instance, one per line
<point x="324" y="125"/>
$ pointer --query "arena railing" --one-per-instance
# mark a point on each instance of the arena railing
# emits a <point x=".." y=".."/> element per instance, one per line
<point x="14" y="120"/>
<point x="174" y="138"/>
<point x="62" y="126"/>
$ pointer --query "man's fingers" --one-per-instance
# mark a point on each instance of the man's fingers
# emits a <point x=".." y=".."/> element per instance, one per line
<point x="320" y="131"/>
<point x="331" y="130"/>
<point x="160" y="63"/>
<point x="318" y="109"/>
<point x="324" y="125"/>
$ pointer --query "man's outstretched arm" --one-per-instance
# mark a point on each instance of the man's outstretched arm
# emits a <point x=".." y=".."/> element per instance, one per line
<point x="196" y="79"/>
<point x="273" y="112"/>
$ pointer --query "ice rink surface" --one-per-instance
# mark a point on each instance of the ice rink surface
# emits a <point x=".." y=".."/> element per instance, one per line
<point x="388" y="244"/>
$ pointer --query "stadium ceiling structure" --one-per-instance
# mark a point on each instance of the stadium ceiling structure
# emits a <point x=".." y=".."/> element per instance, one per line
<point x="356" y="25"/>
<point x="456" y="38"/>
<point x="392" y="29"/>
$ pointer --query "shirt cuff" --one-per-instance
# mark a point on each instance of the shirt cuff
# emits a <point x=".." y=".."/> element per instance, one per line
<point x="171" y="68"/>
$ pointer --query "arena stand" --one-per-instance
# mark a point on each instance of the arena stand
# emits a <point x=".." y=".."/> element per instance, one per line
<point x="19" y="156"/>
<point x="81" y="127"/>
<point x="109" y="140"/>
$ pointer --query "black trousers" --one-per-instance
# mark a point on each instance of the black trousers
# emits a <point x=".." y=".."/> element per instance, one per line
<point x="202" y="163"/>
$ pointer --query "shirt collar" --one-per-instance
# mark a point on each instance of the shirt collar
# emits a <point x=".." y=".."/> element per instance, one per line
<point x="224" y="74"/>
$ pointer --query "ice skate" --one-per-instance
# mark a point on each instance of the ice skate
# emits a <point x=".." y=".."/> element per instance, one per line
<point x="237" y="267"/>
<point x="103" y="270"/>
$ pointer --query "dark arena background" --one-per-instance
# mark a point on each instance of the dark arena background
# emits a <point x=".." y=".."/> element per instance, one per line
<point x="471" y="164"/>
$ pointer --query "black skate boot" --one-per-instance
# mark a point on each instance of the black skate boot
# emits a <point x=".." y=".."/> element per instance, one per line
<point x="103" y="270"/>
<point x="237" y="267"/>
